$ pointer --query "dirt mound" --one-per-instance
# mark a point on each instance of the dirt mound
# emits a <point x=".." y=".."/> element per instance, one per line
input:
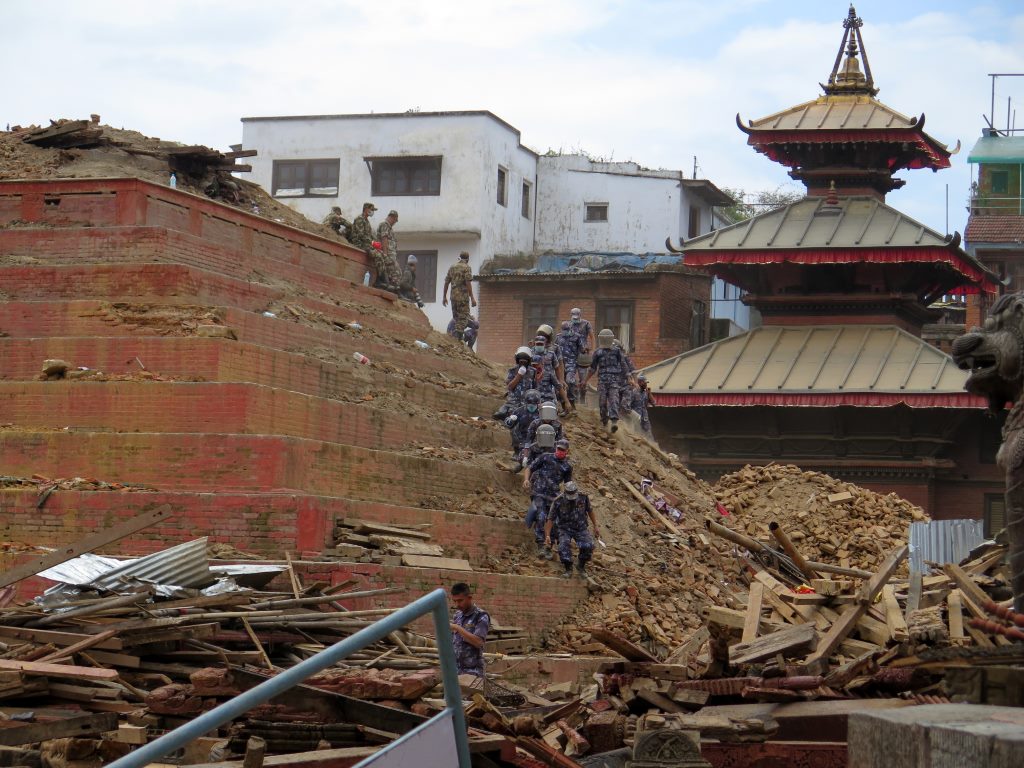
<point x="108" y="152"/>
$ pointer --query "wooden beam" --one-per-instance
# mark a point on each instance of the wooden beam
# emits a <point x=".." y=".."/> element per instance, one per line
<point x="753" y="618"/>
<point x="786" y="640"/>
<point x="894" y="619"/>
<point x="88" y="544"/>
<point x="59" y="670"/>
<point x="78" y="724"/>
<point x="44" y="636"/>
<point x="668" y="524"/>
<point x="955" y="607"/>
<point x="865" y="597"/>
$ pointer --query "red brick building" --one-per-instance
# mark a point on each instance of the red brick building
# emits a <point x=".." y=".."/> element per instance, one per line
<point x="839" y="378"/>
<point x="656" y="312"/>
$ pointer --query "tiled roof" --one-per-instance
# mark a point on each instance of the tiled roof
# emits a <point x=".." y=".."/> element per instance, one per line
<point x="840" y="111"/>
<point x="995" y="229"/>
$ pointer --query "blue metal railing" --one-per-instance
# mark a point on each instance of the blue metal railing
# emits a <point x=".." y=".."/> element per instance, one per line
<point x="435" y="603"/>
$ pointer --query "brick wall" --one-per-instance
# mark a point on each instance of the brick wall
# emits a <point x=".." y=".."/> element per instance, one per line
<point x="663" y="307"/>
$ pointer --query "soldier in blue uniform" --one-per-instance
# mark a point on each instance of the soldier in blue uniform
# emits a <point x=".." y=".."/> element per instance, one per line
<point x="570" y="513"/>
<point x="520" y="379"/>
<point x="544" y="477"/>
<point x="640" y="398"/>
<point x="547" y="363"/>
<point x="548" y="414"/>
<point x="569" y="346"/>
<point x="469" y="631"/>
<point x="520" y="421"/>
<point x="609" y="362"/>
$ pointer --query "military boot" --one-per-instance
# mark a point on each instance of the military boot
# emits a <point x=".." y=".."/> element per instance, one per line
<point x="615" y="425"/>
<point x="582" y="570"/>
<point x="567" y="573"/>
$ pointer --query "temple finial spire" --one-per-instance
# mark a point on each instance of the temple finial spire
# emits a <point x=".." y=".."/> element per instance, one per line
<point x="847" y="76"/>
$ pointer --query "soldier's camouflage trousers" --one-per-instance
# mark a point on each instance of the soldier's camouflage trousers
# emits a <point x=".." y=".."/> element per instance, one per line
<point x="460" y="313"/>
<point x="584" y="542"/>
<point x="609" y="394"/>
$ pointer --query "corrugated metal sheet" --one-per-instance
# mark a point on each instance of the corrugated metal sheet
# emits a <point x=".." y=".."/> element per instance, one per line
<point x="184" y="565"/>
<point x="943" y="541"/>
<point x="834" y="112"/>
<point x="809" y="360"/>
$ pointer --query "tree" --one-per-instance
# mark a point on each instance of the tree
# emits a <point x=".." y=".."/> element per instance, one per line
<point x="750" y="204"/>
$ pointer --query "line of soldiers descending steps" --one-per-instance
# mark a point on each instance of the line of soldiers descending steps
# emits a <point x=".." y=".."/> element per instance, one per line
<point x="556" y="370"/>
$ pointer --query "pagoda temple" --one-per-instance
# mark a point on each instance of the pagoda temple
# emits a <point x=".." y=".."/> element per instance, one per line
<point x="838" y="378"/>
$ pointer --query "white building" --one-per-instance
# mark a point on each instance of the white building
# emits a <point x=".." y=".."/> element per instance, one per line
<point x="463" y="181"/>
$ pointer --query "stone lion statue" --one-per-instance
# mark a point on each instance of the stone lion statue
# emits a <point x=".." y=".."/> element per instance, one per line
<point x="994" y="355"/>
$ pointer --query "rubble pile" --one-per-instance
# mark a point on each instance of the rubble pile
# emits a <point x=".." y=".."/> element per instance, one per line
<point x="830" y="520"/>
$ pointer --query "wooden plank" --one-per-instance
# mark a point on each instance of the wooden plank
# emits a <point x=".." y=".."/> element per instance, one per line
<point x="955" y="608"/>
<point x="690" y="647"/>
<point x="82" y="645"/>
<point x="621" y="645"/>
<point x="661" y="701"/>
<point x="88" y="544"/>
<point x="92" y="724"/>
<point x="650" y="508"/>
<point x="894" y="618"/>
<point x="56" y="638"/>
<point x="873" y="631"/>
<point x="784" y="641"/>
<point x="966" y="584"/>
<point x="913" y="595"/>
<point x="753" y="618"/>
<point x="59" y="670"/>
<point x="866" y="596"/>
<point x="445" y="563"/>
<point x="367" y="527"/>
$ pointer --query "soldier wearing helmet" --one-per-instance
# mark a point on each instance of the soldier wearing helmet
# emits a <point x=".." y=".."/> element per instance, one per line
<point x="519" y="422"/>
<point x="544" y="476"/>
<point x="548" y="414"/>
<point x="569" y="514"/>
<point x="609" y="363"/>
<point x="519" y="379"/>
<point x="583" y="329"/>
<point x="641" y="398"/>
<point x="553" y="384"/>
<point x="568" y="344"/>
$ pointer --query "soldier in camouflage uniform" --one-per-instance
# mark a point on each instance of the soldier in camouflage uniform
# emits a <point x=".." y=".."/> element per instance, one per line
<point x="519" y="422"/>
<point x="520" y="378"/>
<point x="609" y="363"/>
<point x="361" y="231"/>
<point x="569" y="513"/>
<point x="544" y="476"/>
<point x="386" y="235"/>
<point x="469" y="626"/>
<point x="547" y="415"/>
<point x="337" y="222"/>
<point x="569" y="346"/>
<point x="640" y="400"/>
<point x="407" y="286"/>
<point x="460" y="278"/>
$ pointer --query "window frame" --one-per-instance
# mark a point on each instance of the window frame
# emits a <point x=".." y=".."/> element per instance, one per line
<point x="990" y="500"/>
<point x="1004" y="176"/>
<point x="430" y="163"/>
<point x="530" y="318"/>
<point x="502" y="180"/>
<point x="587" y="219"/>
<point x="601" y="313"/>
<point x="426" y="280"/>
<point x="527" y="207"/>
<point x="698" y="323"/>
<point x="693" y="222"/>
<point x="334" y="163"/>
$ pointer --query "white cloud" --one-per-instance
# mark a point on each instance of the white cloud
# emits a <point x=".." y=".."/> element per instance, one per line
<point x="656" y="81"/>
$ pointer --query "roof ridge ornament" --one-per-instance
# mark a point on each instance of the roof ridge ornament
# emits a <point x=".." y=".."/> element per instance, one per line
<point x="847" y="77"/>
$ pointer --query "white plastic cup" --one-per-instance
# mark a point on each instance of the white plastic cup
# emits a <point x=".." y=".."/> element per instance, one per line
<point x="422" y="344"/>
<point x="360" y="358"/>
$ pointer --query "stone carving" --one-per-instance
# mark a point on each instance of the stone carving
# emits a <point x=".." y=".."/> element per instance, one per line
<point x="994" y="354"/>
<point x="668" y="748"/>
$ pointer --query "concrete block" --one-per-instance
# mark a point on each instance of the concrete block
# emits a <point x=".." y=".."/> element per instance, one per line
<point x="938" y="736"/>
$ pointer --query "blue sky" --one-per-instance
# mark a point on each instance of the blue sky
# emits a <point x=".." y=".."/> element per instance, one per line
<point x="656" y="81"/>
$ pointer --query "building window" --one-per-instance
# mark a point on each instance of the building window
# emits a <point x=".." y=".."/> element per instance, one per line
<point x="404" y="175"/>
<point x="617" y="316"/>
<point x="538" y="313"/>
<point x="694" y="226"/>
<point x="698" y="324"/>
<point x="995" y="513"/>
<point x="527" y="188"/>
<point x="305" y="178"/>
<point x="502" y="186"/>
<point x="596" y="212"/>
<point x="426" y="272"/>
<point x="999" y="182"/>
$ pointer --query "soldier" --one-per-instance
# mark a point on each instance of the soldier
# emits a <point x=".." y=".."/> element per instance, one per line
<point x="609" y="363"/>
<point x="381" y="266"/>
<point x="337" y="222"/>
<point x="520" y="378"/>
<point x="568" y="344"/>
<point x="460" y="278"/>
<point x="543" y="477"/>
<point x="361" y="230"/>
<point x="548" y="414"/>
<point x="469" y="626"/>
<point x="641" y="399"/>
<point x="569" y="514"/>
<point x="582" y="328"/>
<point x="519" y="423"/>
<point x="627" y="379"/>
<point x="386" y="235"/>
<point x="407" y="286"/>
